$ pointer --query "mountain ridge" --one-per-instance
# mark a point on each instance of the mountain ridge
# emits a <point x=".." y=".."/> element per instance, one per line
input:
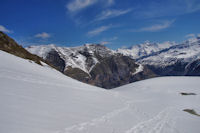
<point x="95" y="64"/>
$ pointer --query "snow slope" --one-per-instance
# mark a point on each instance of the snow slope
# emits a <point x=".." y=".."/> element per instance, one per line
<point x="38" y="99"/>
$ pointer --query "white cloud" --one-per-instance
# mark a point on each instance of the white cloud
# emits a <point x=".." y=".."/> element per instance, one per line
<point x="43" y="35"/>
<point x="110" y="2"/>
<point x="153" y="9"/>
<point x="192" y="6"/>
<point x="108" y="40"/>
<point x="77" y="5"/>
<point x="190" y="36"/>
<point x="113" y="38"/>
<point x="198" y="35"/>
<point x="98" y="30"/>
<point x="156" y="27"/>
<point x="104" y="43"/>
<point x="124" y="47"/>
<point x="111" y="14"/>
<point x="4" y="29"/>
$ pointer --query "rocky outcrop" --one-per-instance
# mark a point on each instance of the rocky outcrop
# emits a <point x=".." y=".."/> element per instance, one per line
<point x="78" y="74"/>
<point x="54" y="58"/>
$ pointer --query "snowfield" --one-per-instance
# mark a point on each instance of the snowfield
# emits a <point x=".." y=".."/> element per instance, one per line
<point x="38" y="99"/>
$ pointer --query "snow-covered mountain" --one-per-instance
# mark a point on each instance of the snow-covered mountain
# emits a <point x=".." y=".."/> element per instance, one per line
<point x="145" y="49"/>
<point x="94" y="64"/>
<point x="187" y="51"/>
<point x="75" y="57"/>
<point x="39" y="99"/>
<point x="168" y="58"/>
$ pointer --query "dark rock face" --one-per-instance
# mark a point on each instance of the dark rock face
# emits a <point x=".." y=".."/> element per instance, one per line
<point x="78" y="74"/>
<point x="145" y="74"/>
<point x="54" y="58"/>
<point x="115" y="71"/>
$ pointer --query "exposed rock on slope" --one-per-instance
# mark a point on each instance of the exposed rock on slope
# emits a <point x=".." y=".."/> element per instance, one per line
<point x="54" y="58"/>
<point x="117" y="70"/>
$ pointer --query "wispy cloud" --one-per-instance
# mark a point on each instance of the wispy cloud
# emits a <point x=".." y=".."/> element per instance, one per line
<point x="104" y="43"/>
<point x="153" y="9"/>
<point x="108" y="40"/>
<point x="77" y="5"/>
<point x="192" y="5"/>
<point x="111" y="14"/>
<point x="43" y="35"/>
<point x="190" y="36"/>
<point x="4" y="29"/>
<point x="156" y="27"/>
<point x="110" y="2"/>
<point x="99" y="30"/>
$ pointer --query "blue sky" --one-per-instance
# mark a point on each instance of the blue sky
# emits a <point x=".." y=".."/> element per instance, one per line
<point x="115" y="23"/>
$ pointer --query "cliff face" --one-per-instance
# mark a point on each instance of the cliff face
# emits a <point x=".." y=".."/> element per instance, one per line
<point x="54" y="58"/>
<point x="117" y="70"/>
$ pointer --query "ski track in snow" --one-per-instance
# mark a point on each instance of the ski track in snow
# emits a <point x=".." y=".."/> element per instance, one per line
<point x="103" y="119"/>
<point x="155" y="124"/>
<point x="152" y="125"/>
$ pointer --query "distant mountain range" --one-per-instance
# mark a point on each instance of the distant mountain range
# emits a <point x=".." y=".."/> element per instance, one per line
<point x="168" y="59"/>
<point x="100" y="66"/>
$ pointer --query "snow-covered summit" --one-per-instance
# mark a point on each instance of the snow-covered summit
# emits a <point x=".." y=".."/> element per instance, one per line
<point x="164" y="54"/>
<point x="186" y="52"/>
<point x="75" y="57"/>
<point x="137" y="51"/>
